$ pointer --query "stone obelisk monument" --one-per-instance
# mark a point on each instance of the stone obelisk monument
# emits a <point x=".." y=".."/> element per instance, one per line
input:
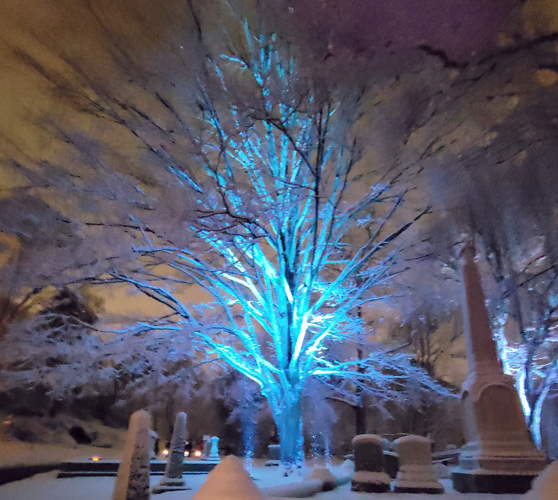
<point x="172" y="480"/>
<point x="499" y="456"/>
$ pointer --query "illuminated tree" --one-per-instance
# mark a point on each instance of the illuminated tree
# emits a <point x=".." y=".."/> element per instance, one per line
<point x="278" y="190"/>
<point x="251" y="189"/>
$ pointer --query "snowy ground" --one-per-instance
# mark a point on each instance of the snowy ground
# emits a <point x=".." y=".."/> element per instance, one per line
<point x="48" y="487"/>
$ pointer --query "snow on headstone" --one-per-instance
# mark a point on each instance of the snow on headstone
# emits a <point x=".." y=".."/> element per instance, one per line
<point x="545" y="487"/>
<point x="416" y="472"/>
<point x="172" y="480"/>
<point x="369" y="475"/>
<point x="229" y="481"/>
<point x="132" y="482"/>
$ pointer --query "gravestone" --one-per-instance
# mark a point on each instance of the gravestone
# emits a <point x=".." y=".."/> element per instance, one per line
<point x="172" y="480"/>
<point x="214" y="453"/>
<point x="369" y="465"/>
<point x="416" y="471"/>
<point x="273" y="455"/>
<point x="229" y="481"/>
<point x="499" y="456"/>
<point x="154" y="437"/>
<point x="206" y="447"/>
<point x="132" y="482"/>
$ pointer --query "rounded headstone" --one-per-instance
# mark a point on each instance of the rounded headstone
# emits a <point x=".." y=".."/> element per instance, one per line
<point x="369" y="465"/>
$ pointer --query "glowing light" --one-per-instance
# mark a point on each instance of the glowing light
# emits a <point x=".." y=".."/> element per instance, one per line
<point x="165" y="453"/>
<point x="186" y="453"/>
<point x="95" y="459"/>
<point x="197" y="453"/>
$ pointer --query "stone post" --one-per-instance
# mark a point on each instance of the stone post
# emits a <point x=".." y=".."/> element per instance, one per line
<point x="132" y="482"/>
<point x="206" y="447"/>
<point x="499" y="456"/>
<point x="172" y="480"/>
<point x="416" y="472"/>
<point x="273" y="455"/>
<point x="369" y="465"/>
<point x="214" y="452"/>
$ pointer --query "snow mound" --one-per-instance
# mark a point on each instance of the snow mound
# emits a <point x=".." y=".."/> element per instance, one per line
<point x="348" y="464"/>
<point x="364" y="476"/>
<point x="545" y="487"/>
<point x="324" y="475"/>
<point x="229" y="481"/>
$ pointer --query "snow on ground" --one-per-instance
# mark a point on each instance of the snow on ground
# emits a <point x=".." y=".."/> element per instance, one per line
<point x="48" y="487"/>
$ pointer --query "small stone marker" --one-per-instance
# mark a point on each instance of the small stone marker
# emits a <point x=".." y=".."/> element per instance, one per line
<point x="172" y="480"/>
<point x="214" y="453"/>
<point x="132" y="482"/>
<point x="273" y="455"/>
<point x="369" y="475"/>
<point x="206" y="447"/>
<point x="416" y="471"/>
<point x="154" y="437"/>
<point x="229" y="481"/>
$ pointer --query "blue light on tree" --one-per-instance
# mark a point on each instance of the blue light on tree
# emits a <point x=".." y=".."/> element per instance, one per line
<point x="276" y="168"/>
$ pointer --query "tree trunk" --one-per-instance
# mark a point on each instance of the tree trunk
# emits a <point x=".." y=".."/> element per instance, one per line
<point x="288" y="419"/>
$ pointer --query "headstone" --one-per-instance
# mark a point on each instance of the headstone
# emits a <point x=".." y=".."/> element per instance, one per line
<point x="273" y="455"/>
<point x="206" y="447"/>
<point x="498" y="457"/>
<point x="369" y="466"/>
<point x="172" y="480"/>
<point x="154" y="437"/>
<point x="214" y="452"/>
<point x="229" y="481"/>
<point x="416" y="471"/>
<point x="132" y="482"/>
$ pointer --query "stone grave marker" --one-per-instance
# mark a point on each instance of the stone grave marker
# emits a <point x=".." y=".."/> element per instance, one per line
<point x="369" y="464"/>
<point x="172" y="480"/>
<point x="132" y="482"/>
<point x="416" y="471"/>
<point x="273" y="455"/>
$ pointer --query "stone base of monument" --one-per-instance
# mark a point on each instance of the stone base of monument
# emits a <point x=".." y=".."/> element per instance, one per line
<point x="482" y="481"/>
<point x="370" y="482"/>
<point x="170" y="484"/>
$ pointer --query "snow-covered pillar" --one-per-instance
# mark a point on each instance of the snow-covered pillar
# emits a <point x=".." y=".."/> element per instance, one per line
<point x="499" y="456"/>
<point x="132" y="482"/>
<point x="172" y="480"/>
